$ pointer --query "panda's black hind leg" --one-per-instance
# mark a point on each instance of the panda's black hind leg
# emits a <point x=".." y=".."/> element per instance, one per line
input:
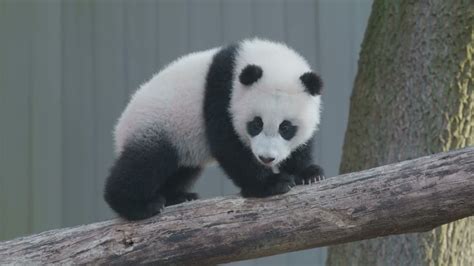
<point x="176" y="187"/>
<point x="133" y="187"/>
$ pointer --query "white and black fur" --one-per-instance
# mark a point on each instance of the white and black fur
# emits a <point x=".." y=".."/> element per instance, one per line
<point x="253" y="106"/>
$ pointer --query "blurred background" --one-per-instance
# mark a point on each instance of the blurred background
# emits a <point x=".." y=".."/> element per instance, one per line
<point x="67" y="69"/>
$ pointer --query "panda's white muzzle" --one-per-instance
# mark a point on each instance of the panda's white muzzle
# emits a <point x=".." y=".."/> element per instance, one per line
<point x="269" y="151"/>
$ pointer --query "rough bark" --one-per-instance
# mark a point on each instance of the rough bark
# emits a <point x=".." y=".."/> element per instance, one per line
<point x="410" y="196"/>
<point x="413" y="96"/>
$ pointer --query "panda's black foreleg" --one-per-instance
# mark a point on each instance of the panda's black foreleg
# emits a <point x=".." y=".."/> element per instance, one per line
<point x="300" y="164"/>
<point x="176" y="187"/>
<point x="273" y="184"/>
<point x="132" y="189"/>
<point x="254" y="179"/>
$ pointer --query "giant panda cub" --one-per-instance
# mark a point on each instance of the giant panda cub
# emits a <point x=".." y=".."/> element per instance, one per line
<point x="253" y="107"/>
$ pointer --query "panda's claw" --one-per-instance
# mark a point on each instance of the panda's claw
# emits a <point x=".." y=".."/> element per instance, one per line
<point x="310" y="175"/>
<point x="292" y="183"/>
<point x="190" y="196"/>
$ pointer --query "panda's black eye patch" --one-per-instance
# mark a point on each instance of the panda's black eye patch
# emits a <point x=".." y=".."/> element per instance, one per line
<point x="287" y="130"/>
<point x="250" y="74"/>
<point x="255" y="126"/>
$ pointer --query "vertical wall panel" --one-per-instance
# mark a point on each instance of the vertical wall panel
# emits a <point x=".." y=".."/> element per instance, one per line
<point x="205" y="32"/>
<point x="3" y="137"/>
<point x="110" y="89"/>
<point x="269" y="19"/>
<point x="140" y="42"/>
<point x="15" y="114"/>
<point x="237" y="20"/>
<point x="205" y="29"/>
<point x="79" y="112"/>
<point x="46" y="176"/>
<point x="173" y="32"/>
<point x="337" y="72"/>
<point x="301" y="31"/>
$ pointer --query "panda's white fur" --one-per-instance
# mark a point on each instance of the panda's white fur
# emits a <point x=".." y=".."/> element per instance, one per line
<point x="171" y="103"/>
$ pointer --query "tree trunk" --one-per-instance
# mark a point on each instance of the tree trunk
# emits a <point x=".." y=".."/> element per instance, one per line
<point x="413" y="96"/>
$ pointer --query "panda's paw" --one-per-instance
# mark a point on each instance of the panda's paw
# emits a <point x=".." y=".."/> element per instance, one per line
<point x="310" y="174"/>
<point x="180" y="197"/>
<point x="282" y="183"/>
<point x="155" y="207"/>
<point x="274" y="185"/>
<point x="140" y="210"/>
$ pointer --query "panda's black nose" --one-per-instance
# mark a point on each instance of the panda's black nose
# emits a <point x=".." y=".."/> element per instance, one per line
<point x="266" y="159"/>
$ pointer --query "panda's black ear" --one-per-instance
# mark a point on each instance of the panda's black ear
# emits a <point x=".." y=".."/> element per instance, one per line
<point x="312" y="83"/>
<point x="250" y="74"/>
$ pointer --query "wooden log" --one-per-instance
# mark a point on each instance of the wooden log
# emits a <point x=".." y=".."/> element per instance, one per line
<point x="410" y="196"/>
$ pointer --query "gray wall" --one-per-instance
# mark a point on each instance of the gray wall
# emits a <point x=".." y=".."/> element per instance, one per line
<point x="67" y="70"/>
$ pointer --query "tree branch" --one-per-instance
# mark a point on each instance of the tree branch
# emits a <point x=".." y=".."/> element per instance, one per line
<point x="410" y="196"/>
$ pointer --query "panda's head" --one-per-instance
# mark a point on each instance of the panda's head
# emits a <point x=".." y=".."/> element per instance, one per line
<point x="275" y="102"/>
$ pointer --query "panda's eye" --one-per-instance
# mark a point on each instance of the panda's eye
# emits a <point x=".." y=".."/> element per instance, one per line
<point x="287" y="130"/>
<point x="255" y="126"/>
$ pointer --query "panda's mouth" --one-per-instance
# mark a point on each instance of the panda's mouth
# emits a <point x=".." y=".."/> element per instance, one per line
<point x="267" y="149"/>
<point x="267" y="162"/>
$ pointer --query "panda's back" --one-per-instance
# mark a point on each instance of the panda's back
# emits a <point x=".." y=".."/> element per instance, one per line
<point x="170" y="106"/>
